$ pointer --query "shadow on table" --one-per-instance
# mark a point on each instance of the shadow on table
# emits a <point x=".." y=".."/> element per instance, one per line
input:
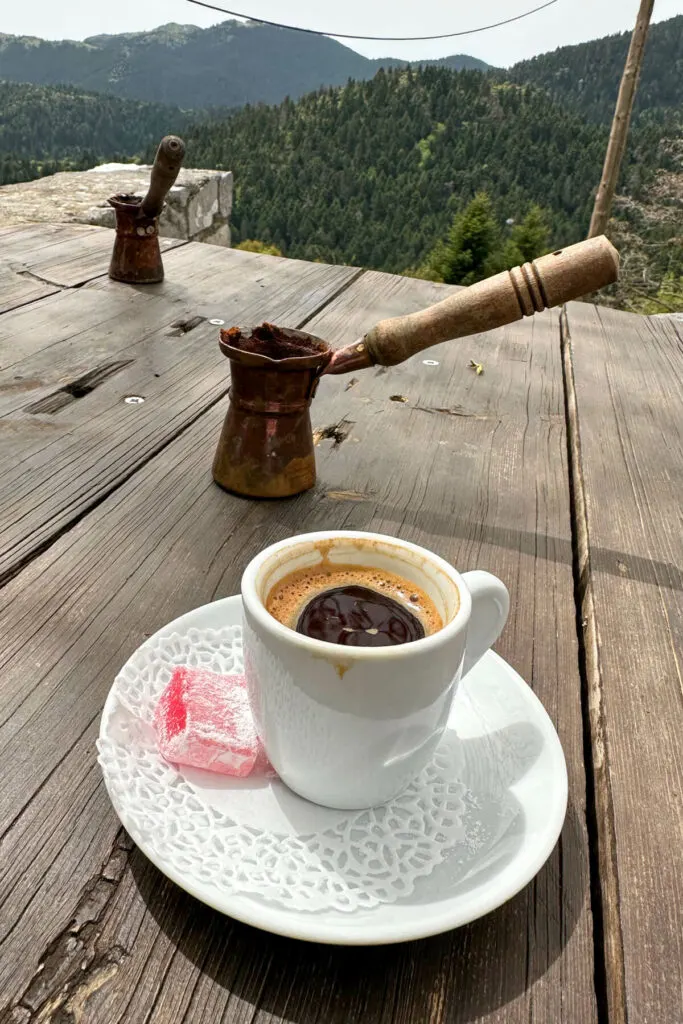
<point x="365" y="513"/>
<point x="457" y="977"/>
<point x="491" y="817"/>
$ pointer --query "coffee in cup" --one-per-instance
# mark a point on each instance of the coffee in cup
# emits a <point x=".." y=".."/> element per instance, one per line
<point x="344" y="724"/>
<point x="352" y="605"/>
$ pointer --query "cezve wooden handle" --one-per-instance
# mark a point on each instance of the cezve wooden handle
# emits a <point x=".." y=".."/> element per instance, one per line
<point x="548" y="281"/>
<point x="165" y="170"/>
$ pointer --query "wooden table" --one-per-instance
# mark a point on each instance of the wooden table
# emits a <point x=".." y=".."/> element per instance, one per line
<point x="560" y="469"/>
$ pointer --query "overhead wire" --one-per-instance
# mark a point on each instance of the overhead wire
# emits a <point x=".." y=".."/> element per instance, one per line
<point x="382" y="39"/>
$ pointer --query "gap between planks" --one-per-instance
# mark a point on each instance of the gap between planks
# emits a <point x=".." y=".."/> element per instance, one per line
<point x="41" y="549"/>
<point x="335" y="295"/>
<point x="26" y="272"/>
<point x="610" y="978"/>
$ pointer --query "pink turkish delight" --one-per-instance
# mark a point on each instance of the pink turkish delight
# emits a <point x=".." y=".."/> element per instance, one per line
<point x="204" y="720"/>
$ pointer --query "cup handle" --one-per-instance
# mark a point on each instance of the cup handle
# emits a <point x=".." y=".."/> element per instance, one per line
<point x="490" y="607"/>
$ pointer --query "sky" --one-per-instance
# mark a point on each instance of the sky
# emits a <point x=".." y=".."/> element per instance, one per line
<point x="567" y="21"/>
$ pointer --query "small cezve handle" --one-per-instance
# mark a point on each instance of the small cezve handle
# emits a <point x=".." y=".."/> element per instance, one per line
<point x="548" y="281"/>
<point x="165" y="170"/>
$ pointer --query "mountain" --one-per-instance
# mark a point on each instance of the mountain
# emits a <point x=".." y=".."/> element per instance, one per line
<point x="232" y="64"/>
<point x="456" y="62"/>
<point x="228" y="65"/>
<point x="586" y="77"/>
<point x="374" y="171"/>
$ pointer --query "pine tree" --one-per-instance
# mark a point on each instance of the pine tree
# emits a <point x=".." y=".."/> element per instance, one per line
<point x="472" y="241"/>
<point x="531" y="237"/>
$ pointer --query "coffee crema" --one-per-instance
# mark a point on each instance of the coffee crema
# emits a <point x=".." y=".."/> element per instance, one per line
<point x="353" y="605"/>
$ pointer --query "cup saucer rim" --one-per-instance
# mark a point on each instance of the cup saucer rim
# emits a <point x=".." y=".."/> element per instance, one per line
<point x="393" y="922"/>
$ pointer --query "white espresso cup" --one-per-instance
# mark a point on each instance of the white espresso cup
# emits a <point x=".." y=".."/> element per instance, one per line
<point x="350" y="727"/>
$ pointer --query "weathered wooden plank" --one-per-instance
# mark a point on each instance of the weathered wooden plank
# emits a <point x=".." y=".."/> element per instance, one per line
<point x="21" y="238"/>
<point x="628" y="427"/>
<point x="62" y="337"/>
<point x="67" y="437"/>
<point x="65" y="255"/>
<point x="485" y="484"/>
<point x="17" y="289"/>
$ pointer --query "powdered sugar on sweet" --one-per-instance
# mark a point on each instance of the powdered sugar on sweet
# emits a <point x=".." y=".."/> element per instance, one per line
<point x="204" y="720"/>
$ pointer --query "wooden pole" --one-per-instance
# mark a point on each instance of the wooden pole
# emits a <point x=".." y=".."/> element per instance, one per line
<point x="621" y="122"/>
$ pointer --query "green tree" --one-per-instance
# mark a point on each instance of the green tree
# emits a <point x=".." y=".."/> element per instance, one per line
<point x="531" y="237"/>
<point x="526" y="242"/>
<point x="373" y="173"/>
<point x="254" y="245"/>
<point x="473" y="239"/>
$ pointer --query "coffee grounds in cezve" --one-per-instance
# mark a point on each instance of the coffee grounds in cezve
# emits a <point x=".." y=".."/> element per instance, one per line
<point x="274" y="342"/>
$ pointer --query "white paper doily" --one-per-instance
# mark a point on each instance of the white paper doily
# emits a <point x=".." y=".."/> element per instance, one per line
<point x="360" y="859"/>
<point x="231" y="840"/>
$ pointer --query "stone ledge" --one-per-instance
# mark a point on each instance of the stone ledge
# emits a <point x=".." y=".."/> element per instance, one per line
<point x="197" y="207"/>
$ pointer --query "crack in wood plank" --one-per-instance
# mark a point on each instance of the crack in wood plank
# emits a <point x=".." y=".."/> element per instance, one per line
<point x="452" y="411"/>
<point x="72" y="967"/>
<point x="25" y="272"/>
<point x="69" y="1006"/>
<point x="78" y="388"/>
<point x="609" y="948"/>
<point x="184" y="325"/>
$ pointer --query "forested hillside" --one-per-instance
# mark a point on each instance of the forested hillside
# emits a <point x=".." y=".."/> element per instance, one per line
<point x="226" y="65"/>
<point x="586" y="77"/>
<point x="373" y="173"/>
<point x="45" y="129"/>
<point x="377" y="172"/>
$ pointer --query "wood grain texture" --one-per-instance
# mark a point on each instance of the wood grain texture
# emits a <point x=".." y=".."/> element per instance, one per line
<point x="628" y="381"/>
<point x="17" y="288"/>
<point x="67" y="437"/>
<point x="65" y="255"/>
<point x="473" y="467"/>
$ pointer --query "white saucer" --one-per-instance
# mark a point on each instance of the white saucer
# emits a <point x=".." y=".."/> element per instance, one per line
<point x="513" y="771"/>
